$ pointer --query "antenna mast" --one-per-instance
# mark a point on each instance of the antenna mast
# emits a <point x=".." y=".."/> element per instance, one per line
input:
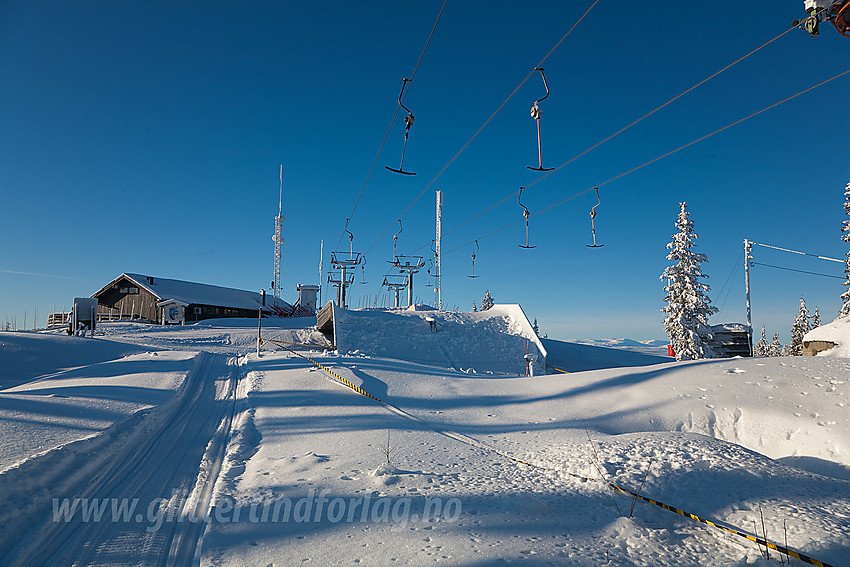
<point x="278" y="239"/>
<point x="439" y="289"/>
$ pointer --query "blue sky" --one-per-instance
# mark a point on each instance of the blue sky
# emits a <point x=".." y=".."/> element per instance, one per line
<point x="147" y="138"/>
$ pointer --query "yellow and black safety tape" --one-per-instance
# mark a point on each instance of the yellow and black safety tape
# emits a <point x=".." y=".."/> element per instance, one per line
<point x="476" y="443"/>
<point x="756" y="539"/>
<point x="354" y="387"/>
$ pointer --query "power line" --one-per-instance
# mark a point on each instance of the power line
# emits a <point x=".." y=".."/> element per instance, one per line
<point x="796" y="252"/>
<point x="392" y="122"/>
<point x="795" y="270"/>
<point x="689" y="144"/>
<point x="485" y="124"/>
<point x="735" y="268"/>
<point x="618" y="132"/>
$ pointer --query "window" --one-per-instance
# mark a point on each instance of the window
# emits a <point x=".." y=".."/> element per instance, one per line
<point x="132" y="290"/>
<point x="122" y="290"/>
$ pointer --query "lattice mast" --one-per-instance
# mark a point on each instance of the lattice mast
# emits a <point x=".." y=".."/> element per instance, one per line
<point x="438" y="257"/>
<point x="278" y="239"/>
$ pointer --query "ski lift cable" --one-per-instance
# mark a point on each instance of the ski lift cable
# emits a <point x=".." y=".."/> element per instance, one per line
<point x="795" y="270"/>
<point x="395" y="116"/>
<point x="736" y="266"/>
<point x="818" y="256"/>
<point x="650" y="162"/>
<point x="620" y="131"/>
<point x="469" y="141"/>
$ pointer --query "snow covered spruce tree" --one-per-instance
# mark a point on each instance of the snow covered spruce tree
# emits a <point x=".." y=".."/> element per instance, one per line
<point x="799" y="330"/>
<point x="761" y="348"/>
<point x="815" y="319"/>
<point x="487" y="302"/>
<point x="845" y="228"/>
<point x="688" y="306"/>
<point x="775" y="347"/>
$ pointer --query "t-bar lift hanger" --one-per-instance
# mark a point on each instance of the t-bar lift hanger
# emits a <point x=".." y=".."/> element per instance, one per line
<point x="526" y="215"/>
<point x="536" y="113"/>
<point x="408" y="120"/>
<point x="592" y="224"/>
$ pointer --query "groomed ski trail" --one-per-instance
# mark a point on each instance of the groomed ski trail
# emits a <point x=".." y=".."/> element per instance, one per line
<point x="175" y="465"/>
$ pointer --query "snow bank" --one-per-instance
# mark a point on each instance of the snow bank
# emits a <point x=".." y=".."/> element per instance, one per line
<point x="251" y="322"/>
<point x="698" y="435"/>
<point x="75" y="404"/>
<point x="495" y="340"/>
<point x="25" y="355"/>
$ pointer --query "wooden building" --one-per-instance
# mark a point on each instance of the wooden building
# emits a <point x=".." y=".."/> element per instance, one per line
<point x="731" y="340"/>
<point x="138" y="296"/>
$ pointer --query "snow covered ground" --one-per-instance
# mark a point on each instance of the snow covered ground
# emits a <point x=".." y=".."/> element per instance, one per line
<point x="654" y="346"/>
<point x="290" y="466"/>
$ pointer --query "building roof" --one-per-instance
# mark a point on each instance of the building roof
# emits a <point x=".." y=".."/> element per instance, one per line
<point x="197" y="293"/>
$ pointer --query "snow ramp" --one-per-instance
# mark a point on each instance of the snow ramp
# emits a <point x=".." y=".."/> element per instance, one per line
<point x="494" y="341"/>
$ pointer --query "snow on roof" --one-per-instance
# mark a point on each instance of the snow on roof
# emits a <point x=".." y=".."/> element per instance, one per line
<point x="730" y="328"/>
<point x="198" y="293"/>
<point x="837" y="332"/>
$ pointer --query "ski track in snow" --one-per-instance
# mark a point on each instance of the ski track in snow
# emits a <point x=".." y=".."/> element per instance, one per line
<point x="730" y="440"/>
<point x="166" y="454"/>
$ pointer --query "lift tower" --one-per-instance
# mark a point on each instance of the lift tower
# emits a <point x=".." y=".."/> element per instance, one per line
<point x="392" y="283"/>
<point x="346" y="274"/>
<point x="409" y="265"/>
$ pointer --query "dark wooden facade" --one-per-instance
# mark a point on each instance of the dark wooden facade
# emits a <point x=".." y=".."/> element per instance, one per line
<point x="731" y="339"/>
<point x="126" y="299"/>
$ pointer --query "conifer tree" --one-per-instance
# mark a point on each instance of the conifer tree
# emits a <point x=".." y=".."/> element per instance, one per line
<point x="845" y="228"/>
<point x="775" y="347"/>
<point x="815" y="320"/>
<point x="761" y="348"/>
<point x="487" y="302"/>
<point x="688" y="306"/>
<point x="474" y="308"/>
<point x="799" y="329"/>
<point x="536" y="327"/>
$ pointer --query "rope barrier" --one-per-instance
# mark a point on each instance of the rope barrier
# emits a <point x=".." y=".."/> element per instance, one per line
<point x="756" y="539"/>
<point x="478" y="444"/>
